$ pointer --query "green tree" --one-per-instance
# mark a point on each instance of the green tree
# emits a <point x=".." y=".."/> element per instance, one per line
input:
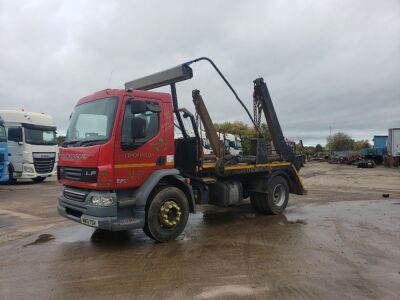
<point x="340" y="142"/>
<point x="358" y="145"/>
<point x="60" y="140"/>
<point x="309" y="150"/>
<point x="318" y="148"/>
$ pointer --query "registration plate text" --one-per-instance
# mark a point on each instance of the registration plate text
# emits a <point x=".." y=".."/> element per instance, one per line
<point x="90" y="222"/>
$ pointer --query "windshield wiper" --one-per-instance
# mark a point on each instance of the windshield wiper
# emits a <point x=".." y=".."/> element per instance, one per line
<point x="91" y="142"/>
<point x="71" y="142"/>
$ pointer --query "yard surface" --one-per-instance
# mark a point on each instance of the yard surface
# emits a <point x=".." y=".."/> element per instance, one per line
<point x="340" y="241"/>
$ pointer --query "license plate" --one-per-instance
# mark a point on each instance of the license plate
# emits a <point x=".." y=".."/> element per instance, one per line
<point x="90" y="222"/>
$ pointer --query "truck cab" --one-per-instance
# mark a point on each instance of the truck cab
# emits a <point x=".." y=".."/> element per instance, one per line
<point x="3" y="153"/>
<point x="232" y="143"/>
<point x="32" y="145"/>
<point x="110" y="150"/>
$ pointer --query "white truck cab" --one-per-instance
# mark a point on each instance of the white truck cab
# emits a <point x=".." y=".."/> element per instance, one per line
<point x="204" y="140"/>
<point x="232" y="143"/>
<point x="32" y="145"/>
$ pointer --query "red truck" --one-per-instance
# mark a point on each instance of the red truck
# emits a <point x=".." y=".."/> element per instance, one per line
<point x="121" y="168"/>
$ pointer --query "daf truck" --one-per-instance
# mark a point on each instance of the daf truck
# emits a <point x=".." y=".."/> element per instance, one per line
<point x="121" y="168"/>
<point x="32" y="145"/>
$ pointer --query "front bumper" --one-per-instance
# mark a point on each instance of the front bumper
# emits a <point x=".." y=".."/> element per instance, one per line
<point x="111" y="217"/>
<point x="29" y="172"/>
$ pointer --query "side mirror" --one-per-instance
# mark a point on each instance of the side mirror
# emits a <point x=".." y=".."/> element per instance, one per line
<point x="138" y="107"/>
<point x="20" y="143"/>
<point x="138" y="128"/>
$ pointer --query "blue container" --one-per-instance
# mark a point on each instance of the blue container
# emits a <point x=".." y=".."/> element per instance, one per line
<point x="380" y="141"/>
<point x="373" y="152"/>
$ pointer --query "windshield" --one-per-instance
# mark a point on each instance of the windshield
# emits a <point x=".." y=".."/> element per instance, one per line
<point x="92" y="122"/>
<point x="3" y="137"/>
<point x="238" y="144"/>
<point x="40" y="136"/>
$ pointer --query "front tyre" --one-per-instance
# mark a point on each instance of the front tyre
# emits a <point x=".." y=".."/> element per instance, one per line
<point x="166" y="214"/>
<point x="275" y="200"/>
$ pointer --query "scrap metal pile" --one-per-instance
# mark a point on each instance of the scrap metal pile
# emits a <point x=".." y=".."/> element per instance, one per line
<point x="351" y="158"/>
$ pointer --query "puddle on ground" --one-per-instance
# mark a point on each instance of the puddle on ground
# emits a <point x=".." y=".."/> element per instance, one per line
<point x="43" y="238"/>
<point x="6" y="220"/>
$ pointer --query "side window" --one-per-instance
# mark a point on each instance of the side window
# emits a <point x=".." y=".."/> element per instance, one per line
<point x="3" y="135"/>
<point x="151" y="123"/>
<point x="15" y="134"/>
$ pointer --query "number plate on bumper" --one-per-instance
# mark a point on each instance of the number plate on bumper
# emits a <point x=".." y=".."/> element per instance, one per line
<point x="90" y="222"/>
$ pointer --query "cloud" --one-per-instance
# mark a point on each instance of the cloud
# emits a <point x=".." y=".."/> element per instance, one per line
<point x="327" y="63"/>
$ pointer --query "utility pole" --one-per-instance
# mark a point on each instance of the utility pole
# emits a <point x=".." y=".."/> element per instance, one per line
<point x="330" y="140"/>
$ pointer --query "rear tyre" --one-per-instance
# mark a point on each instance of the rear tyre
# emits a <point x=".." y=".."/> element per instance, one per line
<point x="38" y="179"/>
<point x="166" y="214"/>
<point x="275" y="200"/>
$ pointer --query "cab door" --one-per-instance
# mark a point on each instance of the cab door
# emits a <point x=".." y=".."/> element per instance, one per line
<point x="15" y="147"/>
<point x="141" y="147"/>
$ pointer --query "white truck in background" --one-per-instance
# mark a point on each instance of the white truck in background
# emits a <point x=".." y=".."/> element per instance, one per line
<point x="32" y="145"/>
<point x="393" y="142"/>
<point x="205" y="142"/>
<point x="232" y="143"/>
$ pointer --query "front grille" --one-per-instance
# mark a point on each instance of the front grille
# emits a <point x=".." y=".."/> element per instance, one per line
<point x="44" y="162"/>
<point x="1" y="157"/>
<point x="74" y="195"/>
<point x="78" y="174"/>
<point x="72" y="173"/>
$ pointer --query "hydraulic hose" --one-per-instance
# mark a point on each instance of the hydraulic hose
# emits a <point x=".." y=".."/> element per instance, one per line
<point x="230" y="87"/>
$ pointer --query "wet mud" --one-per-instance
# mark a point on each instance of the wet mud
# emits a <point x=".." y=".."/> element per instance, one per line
<point x="43" y="238"/>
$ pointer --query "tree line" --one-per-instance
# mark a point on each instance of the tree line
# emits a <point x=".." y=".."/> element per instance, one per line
<point x="339" y="142"/>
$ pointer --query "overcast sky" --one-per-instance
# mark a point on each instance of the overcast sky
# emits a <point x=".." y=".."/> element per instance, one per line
<point x="326" y="63"/>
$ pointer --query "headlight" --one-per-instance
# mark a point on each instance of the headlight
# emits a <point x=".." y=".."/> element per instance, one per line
<point x="102" y="200"/>
<point x="29" y="170"/>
